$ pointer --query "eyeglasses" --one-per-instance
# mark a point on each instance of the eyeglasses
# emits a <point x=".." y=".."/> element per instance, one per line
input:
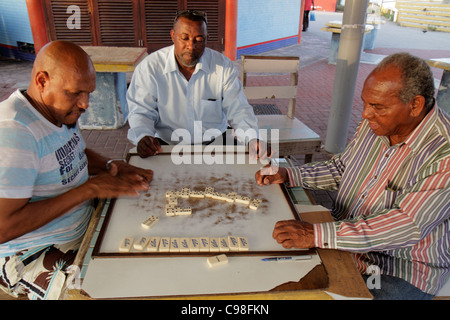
<point x="194" y="15"/>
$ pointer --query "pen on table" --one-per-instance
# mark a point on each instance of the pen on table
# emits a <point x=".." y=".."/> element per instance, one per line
<point x="295" y="258"/>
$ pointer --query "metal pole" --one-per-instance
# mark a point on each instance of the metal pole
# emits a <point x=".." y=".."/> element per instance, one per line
<point x="349" y="54"/>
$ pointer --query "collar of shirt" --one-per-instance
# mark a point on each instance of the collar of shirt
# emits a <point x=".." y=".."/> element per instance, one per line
<point x="417" y="136"/>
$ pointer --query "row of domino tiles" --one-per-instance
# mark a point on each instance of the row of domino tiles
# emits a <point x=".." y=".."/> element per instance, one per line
<point x="197" y="244"/>
<point x="172" y="199"/>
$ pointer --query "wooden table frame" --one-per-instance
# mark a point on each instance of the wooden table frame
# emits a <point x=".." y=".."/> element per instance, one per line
<point x="97" y="253"/>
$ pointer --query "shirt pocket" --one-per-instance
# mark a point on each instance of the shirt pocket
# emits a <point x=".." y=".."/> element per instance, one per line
<point x="210" y="112"/>
<point x="390" y="196"/>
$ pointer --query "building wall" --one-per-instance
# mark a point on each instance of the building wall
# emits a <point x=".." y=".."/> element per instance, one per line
<point x="262" y="25"/>
<point x="15" y="30"/>
<point x="267" y="25"/>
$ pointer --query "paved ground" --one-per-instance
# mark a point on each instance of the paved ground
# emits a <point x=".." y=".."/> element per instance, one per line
<point x="316" y="77"/>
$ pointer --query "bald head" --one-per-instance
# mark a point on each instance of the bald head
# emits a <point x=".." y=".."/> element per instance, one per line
<point x="62" y="78"/>
<point x="62" y="58"/>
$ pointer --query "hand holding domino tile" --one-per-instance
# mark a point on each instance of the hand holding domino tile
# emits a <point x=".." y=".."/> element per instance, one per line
<point x="271" y="175"/>
<point x="127" y="171"/>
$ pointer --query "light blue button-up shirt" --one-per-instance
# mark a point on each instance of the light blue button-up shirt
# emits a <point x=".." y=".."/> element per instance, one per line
<point x="161" y="100"/>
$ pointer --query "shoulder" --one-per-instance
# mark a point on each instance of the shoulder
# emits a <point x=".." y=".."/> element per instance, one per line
<point x="218" y="62"/>
<point x="21" y="122"/>
<point x="217" y="56"/>
<point x="432" y="132"/>
<point x="16" y="110"/>
<point x="17" y="123"/>
<point x="156" y="59"/>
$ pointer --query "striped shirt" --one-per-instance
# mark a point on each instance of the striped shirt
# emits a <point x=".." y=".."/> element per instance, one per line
<point x="392" y="208"/>
<point x="39" y="160"/>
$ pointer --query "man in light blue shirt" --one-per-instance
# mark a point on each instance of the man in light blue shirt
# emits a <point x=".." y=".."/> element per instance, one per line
<point x="48" y="178"/>
<point x="187" y="93"/>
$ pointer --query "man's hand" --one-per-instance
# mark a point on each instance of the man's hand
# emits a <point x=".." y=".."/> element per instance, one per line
<point x="271" y="174"/>
<point x="294" y="234"/>
<point x="148" y="146"/>
<point x="258" y="149"/>
<point x="105" y="186"/>
<point x="128" y="171"/>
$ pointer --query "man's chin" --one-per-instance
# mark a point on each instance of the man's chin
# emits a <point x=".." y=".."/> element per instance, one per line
<point x="375" y="129"/>
<point x="71" y="123"/>
<point x="188" y="60"/>
<point x="72" y="119"/>
<point x="189" y="64"/>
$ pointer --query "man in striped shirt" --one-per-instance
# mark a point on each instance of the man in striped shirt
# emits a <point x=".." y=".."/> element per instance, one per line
<point x="392" y="208"/>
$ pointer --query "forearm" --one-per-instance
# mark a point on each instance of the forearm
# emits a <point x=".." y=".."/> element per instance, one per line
<point x="96" y="162"/>
<point x="414" y="217"/>
<point x="29" y="216"/>
<point x="317" y="176"/>
<point x="238" y="111"/>
<point x="19" y="216"/>
<point x="141" y="125"/>
<point x="370" y="234"/>
<point x="142" y="108"/>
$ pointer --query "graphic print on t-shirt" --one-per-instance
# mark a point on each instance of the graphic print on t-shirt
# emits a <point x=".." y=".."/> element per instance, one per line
<point x="71" y="159"/>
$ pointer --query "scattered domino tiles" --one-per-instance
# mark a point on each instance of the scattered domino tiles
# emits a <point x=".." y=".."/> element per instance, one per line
<point x="214" y="245"/>
<point x="164" y="244"/>
<point x="153" y="244"/>
<point x="254" y="204"/>
<point x="217" y="260"/>
<point x="186" y="193"/>
<point x="184" y="244"/>
<point x="150" y="222"/>
<point x="126" y="244"/>
<point x="141" y="243"/>
<point x="233" y="243"/>
<point x="174" y="245"/>
<point x="200" y="244"/>
<point x="194" y="244"/>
